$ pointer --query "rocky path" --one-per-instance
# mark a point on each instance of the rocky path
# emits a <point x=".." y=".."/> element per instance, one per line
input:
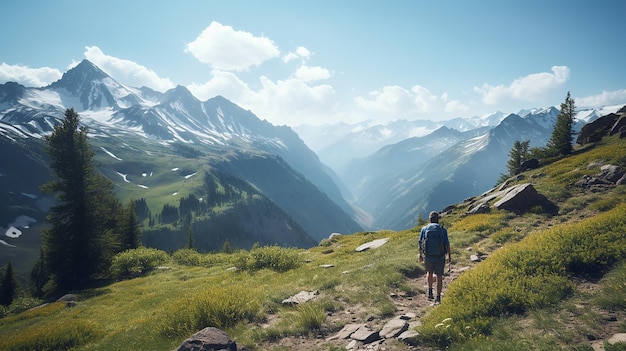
<point x="372" y="333"/>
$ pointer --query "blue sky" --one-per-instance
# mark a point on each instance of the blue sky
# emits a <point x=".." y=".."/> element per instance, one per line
<point x="317" y="62"/>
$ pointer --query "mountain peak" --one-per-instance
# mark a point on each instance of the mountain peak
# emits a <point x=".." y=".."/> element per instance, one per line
<point x="178" y="93"/>
<point x="76" y="78"/>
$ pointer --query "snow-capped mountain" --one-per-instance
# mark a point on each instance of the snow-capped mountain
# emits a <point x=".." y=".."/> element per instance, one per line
<point x="133" y="128"/>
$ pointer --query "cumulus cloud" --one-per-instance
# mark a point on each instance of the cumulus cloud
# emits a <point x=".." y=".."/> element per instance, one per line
<point x="30" y="77"/>
<point x="301" y="53"/>
<point x="222" y="83"/>
<point x="526" y="88"/>
<point x="603" y="99"/>
<point x="229" y="50"/>
<point x="310" y="74"/>
<point x="399" y="101"/>
<point x="127" y="72"/>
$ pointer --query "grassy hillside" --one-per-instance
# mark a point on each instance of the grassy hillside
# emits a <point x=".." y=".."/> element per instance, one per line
<point x="549" y="283"/>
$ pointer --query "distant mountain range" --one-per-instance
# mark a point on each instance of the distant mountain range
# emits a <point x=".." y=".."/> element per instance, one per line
<point x="160" y="147"/>
<point x="394" y="177"/>
<point x="255" y="182"/>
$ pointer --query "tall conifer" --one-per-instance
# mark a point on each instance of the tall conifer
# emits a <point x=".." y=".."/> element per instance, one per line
<point x="562" y="136"/>
<point x="8" y="286"/>
<point x="83" y="220"/>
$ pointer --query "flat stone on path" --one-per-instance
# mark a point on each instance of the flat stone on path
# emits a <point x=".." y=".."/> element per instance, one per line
<point x="621" y="337"/>
<point x="393" y="328"/>
<point x="347" y="330"/>
<point x="365" y="335"/>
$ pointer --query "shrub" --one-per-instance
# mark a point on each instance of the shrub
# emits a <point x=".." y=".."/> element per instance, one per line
<point x="187" y="257"/>
<point x="506" y="235"/>
<point x="218" y="307"/>
<point x="271" y="257"/>
<point x="307" y="318"/>
<point x="135" y="262"/>
<point x="59" y="335"/>
<point x="480" y="223"/>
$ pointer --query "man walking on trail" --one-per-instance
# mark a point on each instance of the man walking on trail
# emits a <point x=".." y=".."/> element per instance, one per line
<point x="434" y="245"/>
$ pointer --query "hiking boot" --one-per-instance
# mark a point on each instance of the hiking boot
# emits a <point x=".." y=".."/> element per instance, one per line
<point x="438" y="299"/>
<point x="430" y="294"/>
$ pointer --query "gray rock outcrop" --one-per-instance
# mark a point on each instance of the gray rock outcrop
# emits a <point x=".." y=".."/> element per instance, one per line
<point x="209" y="339"/>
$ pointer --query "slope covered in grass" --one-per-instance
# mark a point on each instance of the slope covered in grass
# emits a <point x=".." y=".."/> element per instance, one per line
<point x="547" y="283"/>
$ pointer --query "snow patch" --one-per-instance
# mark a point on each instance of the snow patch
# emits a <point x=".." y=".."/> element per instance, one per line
<point x="30" y="196"/>
<point x="13" y="232"/>
<point x="190" y="175"/>
<point x="110" y="153"/>
<point x="124" y="176"/>
<point x="6" y="244"/>
<point x="142" y="186"/>
<point x="175" y="169"/>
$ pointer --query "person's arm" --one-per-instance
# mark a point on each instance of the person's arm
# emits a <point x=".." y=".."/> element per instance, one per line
<point x="448" y="246"/>
<point x="419" y="247"/>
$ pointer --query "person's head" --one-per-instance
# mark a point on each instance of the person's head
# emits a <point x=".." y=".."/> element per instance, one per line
<point x="433" y="217"/>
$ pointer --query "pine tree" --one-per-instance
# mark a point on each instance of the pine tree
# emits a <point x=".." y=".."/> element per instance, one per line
<point x="39" y="276"/>
<point x="189" y="238"/>
<point x="8" y="286"/>
<point x="130" y="236"/>
<point x="562" y="136"/>
<point x="80" y="236"/>
<point x="518" y="154"/>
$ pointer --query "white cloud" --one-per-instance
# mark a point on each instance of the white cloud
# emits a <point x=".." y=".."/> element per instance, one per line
<point x="399" y="101"/>
<point x="229" y="50"/>
<point x="30" y="77"/>
<point x="310" y="74"/>
<point x="528" y="88"/>
<point x="222" y="83"/>
<point x="603" y="99"/>
<point x="301" y="53"/>
<point x="127" y="72"/>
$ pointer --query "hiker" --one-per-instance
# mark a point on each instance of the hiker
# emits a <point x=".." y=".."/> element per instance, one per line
<point x="434" y="244"/>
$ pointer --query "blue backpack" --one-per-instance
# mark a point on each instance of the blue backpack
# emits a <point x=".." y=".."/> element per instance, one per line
<point x="432" y="242"/>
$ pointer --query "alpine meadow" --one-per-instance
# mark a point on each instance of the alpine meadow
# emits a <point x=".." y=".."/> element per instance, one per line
<point x="139" y="220"/>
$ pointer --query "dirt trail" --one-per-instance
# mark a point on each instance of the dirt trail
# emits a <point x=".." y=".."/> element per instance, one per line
<point x="417" y="304"/>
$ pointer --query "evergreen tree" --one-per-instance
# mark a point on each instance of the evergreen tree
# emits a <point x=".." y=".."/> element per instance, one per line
<point x="130" y="236"/>
<point x="39" y="276"/>
<point x="83" y="221"/>
<point x="8" y="286"/>
<point x="562" y="136"/>
<point x="189" y="238"/>
<point x="518" y="154"/>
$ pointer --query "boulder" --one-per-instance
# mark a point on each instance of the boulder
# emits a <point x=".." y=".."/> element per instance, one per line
<point x="594" y="131"/>
<point x="208" y="339"/>
<point x="609" y="176"/>
<point x="522" y="197"/>
<point x="532" y="163"/>
<point x="611" y="173"/>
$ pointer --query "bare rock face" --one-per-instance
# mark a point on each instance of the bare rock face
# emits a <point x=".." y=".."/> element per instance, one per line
<point x="208" y="339"/>
<point x="522" y="197"/>
<point x="594" y="131"/>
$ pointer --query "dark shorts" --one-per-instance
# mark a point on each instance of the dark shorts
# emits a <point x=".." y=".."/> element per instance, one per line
<point x="436" y="267"/>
